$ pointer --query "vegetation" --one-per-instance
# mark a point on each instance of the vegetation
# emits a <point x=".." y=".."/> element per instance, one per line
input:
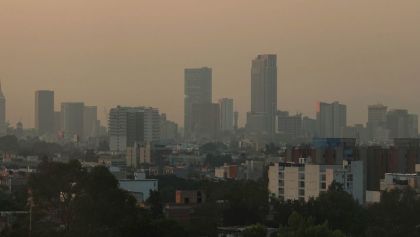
<point x="69" y="200"/>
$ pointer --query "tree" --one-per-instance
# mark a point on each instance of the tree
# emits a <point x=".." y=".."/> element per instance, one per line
<point x="298" y="226"/>
<point x="395" y="215"/>
<point x="257" y="230"/>
<point x="156" y="206"/>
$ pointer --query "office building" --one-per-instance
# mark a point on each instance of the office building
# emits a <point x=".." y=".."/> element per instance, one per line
<point x="128" y="125"/>
<point x="205" y="121"/>
<point x="197" y="90"/>
<point x="44" y="111"/>
<point x="72" y="120"/>
<point x="226" y="114"/>
<point x="263" y="95"/>
<point x="331" y="119"/>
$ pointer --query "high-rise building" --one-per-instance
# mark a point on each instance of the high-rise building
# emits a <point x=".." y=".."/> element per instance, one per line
<point x="331" y="119"/>
<point x="90" y="121"/>
<point x="236" y="115"/>
<point x="168" y="129"/>
<point x="402" y="124"/>
<point x="205" y="120"/>
<point x="376" y="120"/>
<point x="289" y="125"/>
<point x="226" y="114"/>
<point x="263" y="95"/>
<point x="44" y="111"/>
<point x="3" y="125"/>
<point x="128" y="125"/>
<point x="72" y="119"/>
<point x="197" y="90"/>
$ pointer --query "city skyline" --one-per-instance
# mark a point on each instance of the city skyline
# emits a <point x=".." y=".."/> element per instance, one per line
<point x="320" y="46"/>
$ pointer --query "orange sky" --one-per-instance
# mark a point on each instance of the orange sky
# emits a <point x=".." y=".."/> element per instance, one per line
<point x="133" y="52"/>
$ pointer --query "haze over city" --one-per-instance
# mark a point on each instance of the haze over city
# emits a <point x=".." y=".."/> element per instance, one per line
<point x="134" y="52"/>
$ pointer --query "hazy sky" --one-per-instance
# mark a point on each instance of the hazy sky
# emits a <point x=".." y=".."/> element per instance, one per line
<point x="133" y="52"/>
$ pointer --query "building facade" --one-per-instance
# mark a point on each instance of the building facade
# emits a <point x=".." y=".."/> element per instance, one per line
<point x="331" y="119"/>
<point x="263" y="95"/>
<point x="197" y="90"/>
<point x="128" y="125"/>
<point x="226" y="114"/>
<point x="44" y="111"/>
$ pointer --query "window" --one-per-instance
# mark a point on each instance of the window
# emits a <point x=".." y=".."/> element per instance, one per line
<point x="301" y="192"/>
<point x="301" y="184"/>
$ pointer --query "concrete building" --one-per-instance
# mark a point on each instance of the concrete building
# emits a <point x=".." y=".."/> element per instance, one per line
<point x="44" y="111"/>
<point x="90" y="122"/>
<point x="226" y="172"/>
<point x="263" y="95"/>
<point x="198" y="90"/>
<point x="289" y="126"/>
<point x="226" y="114"/>
<point x="168" y="129"/>
<point x="205" y="121"/>
<point x="331" y="119"/>
<point x="376" y="121"/>
<point x="128" y="125"/>
<point x="3" y="124"/>
<point x="303" y="181"/>
<point x="358" y="132"/>
<point x="72" y="119"/>
<point x="138" y="155"/>
<point x="401" y="124"/>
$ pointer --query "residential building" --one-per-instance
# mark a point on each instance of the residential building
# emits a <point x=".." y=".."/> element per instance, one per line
<point x="138" y="154"/>
<point x="128" y="125"/>
<point x="331" y="119"/>
<point x="168" y="129"/>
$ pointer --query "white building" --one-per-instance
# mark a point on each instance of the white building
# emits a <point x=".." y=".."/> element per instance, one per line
<point x="303" y="181"/>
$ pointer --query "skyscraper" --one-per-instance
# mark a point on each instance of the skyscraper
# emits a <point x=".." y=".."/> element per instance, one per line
<point x="44" y="111"/>
<point x="331" y="119"/>
<point x="226" y="114"/>
<point x="90" y="121"/>
<point x="72" y="119"/>
<point x="263" y="94"/>
<point x="197" y="90"/>
<point x="3" y="125"/>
